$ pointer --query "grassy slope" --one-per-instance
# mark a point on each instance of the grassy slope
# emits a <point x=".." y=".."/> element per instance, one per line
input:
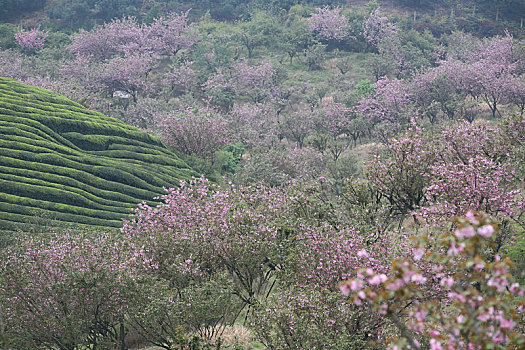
<point x="63" y="162"/>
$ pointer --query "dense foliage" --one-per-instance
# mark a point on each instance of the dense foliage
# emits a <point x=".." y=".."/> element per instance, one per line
<point x="63" y="162"/>
<point x="365" y="163"/>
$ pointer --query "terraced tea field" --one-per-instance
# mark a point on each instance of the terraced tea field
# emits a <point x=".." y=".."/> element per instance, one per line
<point x="64" y="163"/>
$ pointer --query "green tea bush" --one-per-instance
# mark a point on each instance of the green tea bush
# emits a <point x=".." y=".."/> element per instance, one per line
<point x="57" y="156"/>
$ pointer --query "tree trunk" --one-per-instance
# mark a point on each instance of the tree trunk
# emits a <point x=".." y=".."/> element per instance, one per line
<point x="122" y="336"/>
<point x="2" y="326"/>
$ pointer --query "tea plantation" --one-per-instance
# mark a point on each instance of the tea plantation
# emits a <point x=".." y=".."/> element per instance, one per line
<point x="64" y="163"/>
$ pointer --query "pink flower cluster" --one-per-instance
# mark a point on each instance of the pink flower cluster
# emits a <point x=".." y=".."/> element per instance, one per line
<point x="479" y="289"/>
<point x="329" y="24"/>
<point x="165" y="36"/>
<point x="30" y="41"/>
<point x="378" y="29"/>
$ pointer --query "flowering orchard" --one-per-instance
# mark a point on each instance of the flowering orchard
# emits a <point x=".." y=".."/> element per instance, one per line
<point x="165" y="36"/>
<point x="444" y="173"/>
<point x="330" y="137"/>
<point x="276" y="259"/>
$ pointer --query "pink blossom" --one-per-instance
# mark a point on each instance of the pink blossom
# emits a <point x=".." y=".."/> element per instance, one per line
<point x="395" y="285"/>
<point x="505" y="323"/>
<point x="377" y="279"/>
<point x="418" y="278"/>
<point x="329" y="24"/>
<point x="465" y="232"/>
<point x="453" y="250"/>
<point x="435" y="345"/>
<point x="454" y="295"/>
<point x="356" y="284"/>
<point x="434" y="333"/>
<point x="345" y="289"/>
<point x="447" y="281"/>
<point x="486" y="231"/>
<point x="419" y="253"/>
<point x="362" y="254"/>
<point x="32" y="40"/>
<point x="470" y="216"/>
<point x="378" y="29"/>
<point x="484" y="317"/>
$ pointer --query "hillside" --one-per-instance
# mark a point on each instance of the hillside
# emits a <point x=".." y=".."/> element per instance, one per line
<point x="60" y="161"/>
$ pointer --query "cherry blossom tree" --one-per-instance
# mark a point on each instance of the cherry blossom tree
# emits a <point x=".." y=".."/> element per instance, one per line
<point x="169" y="34"/>
<point x="378" y="29"/>
<point x="165" y="36"/>
<point x="488" y="82"/>
<point x="147" y="113"/>
<point x="254" y="125"/>
<point x="302" y="317"/>
<point x="210" y="227"/>
<point x="515" y="93"/>
<point x="126" y="74"/>
<point x="211" y="247"/>
<point x="118" y="37"/>
<point x="441" y="175"/>
<point x="334" y="118"/>
<point x="258" y="82"/>
<point x="30" y="41"/>
<point x="401" y="176"/>
<point x="325" y="256"/>
<point x="181" y="78"/>
<point x="489" y="72"/>
<point x="435" y="92"/>
<point x="472" y="173"/>
<point x="297" y="126"/>
<point x="278" y="167"/>
<point x="398" y="53"/>
<point x="196" y="132"/>
<point x="390" y="105"/>
<point x="329" y="24"/>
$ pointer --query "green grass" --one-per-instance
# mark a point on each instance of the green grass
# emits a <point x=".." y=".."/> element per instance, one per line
<point x="61" y="161"/>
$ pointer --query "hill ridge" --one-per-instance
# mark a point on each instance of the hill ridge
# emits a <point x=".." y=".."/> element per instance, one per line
<point x="69" y="164"/>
